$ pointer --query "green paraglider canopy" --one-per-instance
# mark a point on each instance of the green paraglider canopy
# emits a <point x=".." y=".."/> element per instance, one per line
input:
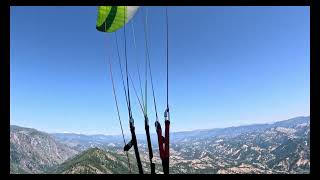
<point x="112" y="18"/>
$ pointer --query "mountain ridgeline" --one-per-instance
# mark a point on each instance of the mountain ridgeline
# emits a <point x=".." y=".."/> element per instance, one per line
<point x="282" y="147"/>
<point x="95" y="161"/>
<point x="32" y="151"/>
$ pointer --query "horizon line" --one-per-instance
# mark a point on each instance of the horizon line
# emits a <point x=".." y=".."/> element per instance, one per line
<point x="179" y="131"/>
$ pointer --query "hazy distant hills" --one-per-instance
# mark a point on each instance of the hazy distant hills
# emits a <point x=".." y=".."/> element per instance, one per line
<point x="280" y="147"/>
<point x="82" y="142"/>
<point x="234" y="131"/>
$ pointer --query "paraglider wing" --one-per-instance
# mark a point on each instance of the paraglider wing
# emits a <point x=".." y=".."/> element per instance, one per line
<point x="111" y="18"/>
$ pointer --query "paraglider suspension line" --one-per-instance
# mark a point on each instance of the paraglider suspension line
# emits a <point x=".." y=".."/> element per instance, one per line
<point x="116" y="101"/>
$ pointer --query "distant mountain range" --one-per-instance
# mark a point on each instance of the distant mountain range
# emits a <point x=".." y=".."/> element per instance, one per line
<point x="81" y="142"/>
<point x="235" y="131"/>
<point x="280" y="147"/>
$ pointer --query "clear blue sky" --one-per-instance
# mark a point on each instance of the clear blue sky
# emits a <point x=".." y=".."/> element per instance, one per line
<point x="228" y="66"/>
